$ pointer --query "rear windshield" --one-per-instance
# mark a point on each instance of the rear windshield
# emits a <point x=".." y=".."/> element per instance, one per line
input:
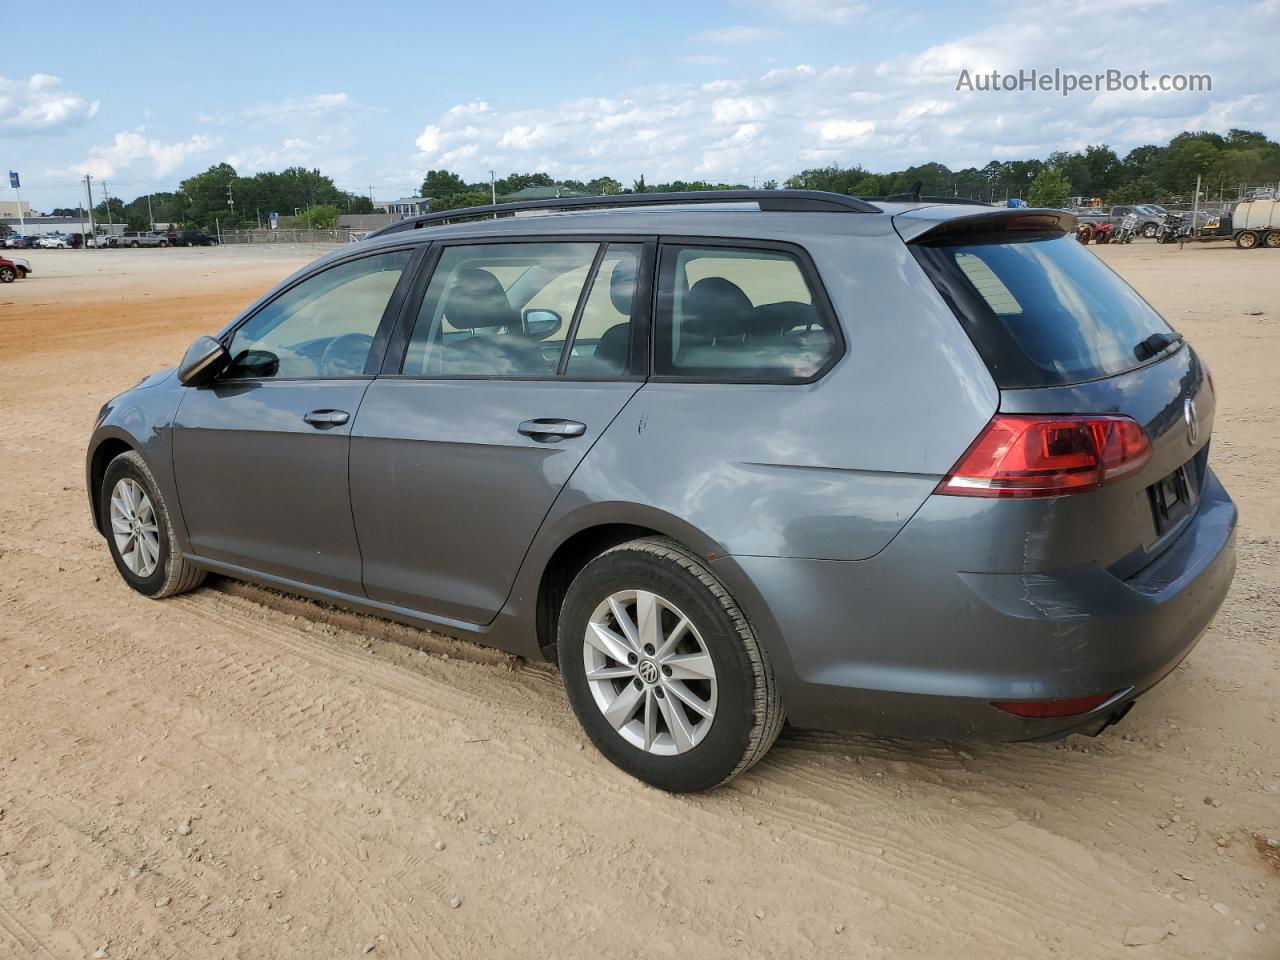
<point x="1041" y="308"/>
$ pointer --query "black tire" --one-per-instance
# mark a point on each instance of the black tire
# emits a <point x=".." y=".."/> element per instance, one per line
<point x="749" y="712"/>
<point x="1246" y="239"/>
<point x="8" y="274"/>
<point x="1272" y="240"/>
<point x="134" y="244"/>
<point x="1149" y="230"/>
<point x="163" y="243"/>
<point x="172" y="574"/>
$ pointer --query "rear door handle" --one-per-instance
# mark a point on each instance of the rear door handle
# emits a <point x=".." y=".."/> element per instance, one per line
<point x="326" y="418"/>
<point x="551" y="430"/>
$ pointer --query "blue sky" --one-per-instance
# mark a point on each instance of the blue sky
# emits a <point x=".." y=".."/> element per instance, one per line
<point x="375" y="94"/>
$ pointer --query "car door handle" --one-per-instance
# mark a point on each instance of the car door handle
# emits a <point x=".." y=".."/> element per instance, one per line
<point x="326" y="418"/>
<point x="551" y="430"/>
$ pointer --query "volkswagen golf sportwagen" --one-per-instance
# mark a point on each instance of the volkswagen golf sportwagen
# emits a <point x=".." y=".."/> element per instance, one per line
<point x="905" y="466"/>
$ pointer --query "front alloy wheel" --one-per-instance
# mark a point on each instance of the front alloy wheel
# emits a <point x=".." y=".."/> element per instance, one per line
<point x="135" y="521"/>
<point x="134" y="527"/>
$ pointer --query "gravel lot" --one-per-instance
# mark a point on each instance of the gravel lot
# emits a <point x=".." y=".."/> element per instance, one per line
<point x="236" y="773"/>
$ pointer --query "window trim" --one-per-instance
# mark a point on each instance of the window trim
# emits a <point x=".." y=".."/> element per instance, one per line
<point x="641" y="307"/>
<point x="381" y="336"/>
<point x="664" y="296"/>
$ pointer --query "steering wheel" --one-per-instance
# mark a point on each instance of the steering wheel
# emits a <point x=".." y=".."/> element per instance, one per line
<point x="345" y="354"/>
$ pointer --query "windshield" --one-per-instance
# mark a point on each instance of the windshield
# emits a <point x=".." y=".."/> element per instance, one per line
<point x="1042" y="309"/>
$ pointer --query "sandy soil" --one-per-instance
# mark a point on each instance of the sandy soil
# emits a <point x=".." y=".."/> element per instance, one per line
<point x="234" y="773"/>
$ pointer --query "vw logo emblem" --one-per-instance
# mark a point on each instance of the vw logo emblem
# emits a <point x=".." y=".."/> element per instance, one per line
<point x="1193" y="420"/>
<point x="648" y="671"/>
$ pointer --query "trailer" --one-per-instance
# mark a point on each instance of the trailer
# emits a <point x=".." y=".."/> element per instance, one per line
<point x="1256" y="223"/>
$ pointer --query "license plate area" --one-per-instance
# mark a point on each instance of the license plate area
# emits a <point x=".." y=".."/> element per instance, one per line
<point x="1172" y="498"/>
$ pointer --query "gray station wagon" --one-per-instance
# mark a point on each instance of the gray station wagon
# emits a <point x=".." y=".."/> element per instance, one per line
<point x="910" y="466"/>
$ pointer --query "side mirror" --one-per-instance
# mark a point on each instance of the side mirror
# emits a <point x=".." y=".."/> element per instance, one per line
<point x="204" y="360"/>
<point x="541" y="324"/>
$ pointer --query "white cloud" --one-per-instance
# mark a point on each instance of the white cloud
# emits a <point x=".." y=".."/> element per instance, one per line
<point x="739" y="109"/>
<point x="41" y="105"/>
<point x="132" y="148"/>
<point x="429" y="140"/>
<point x="844" y="131"/>
<point x="773" y="118"/>
<point x="821" y="11"/>
<point x="293" y="110"/>
<point x="735" y="34"/>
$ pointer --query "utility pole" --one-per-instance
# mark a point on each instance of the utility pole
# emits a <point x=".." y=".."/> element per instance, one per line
<point x="231" y="200"/>
<point x="106" y="199"/>
<point x="88" y="188"/>
<point x="493" y="191"/>
<point x="151" y="216"/>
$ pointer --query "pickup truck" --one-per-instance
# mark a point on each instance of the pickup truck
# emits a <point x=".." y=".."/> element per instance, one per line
<point x="141" y="238"/>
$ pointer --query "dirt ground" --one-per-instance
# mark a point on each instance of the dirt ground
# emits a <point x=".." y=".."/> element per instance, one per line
<point x="234" y="773"/>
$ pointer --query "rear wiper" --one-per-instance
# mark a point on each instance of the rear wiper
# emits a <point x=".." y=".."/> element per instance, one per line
<point x="1156" y="344"/>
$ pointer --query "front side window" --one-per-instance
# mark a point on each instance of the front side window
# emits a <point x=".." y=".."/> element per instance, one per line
<point x="323" y="326"/>
<point x="739" y="314"/>
<point x="507" y="310"/>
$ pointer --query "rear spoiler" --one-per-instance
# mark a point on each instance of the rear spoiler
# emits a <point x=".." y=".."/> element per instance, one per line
<point x="931" y="223"/>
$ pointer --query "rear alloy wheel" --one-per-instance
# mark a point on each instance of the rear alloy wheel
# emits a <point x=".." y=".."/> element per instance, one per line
<point x="663" y="670"/>
<point x="134" y="244"/>
<point x="1149" y="230"/>
<point x="1272" y="240"/>
<point x="1246" y="240"/>
<point x="139" y="534"/>
<point x="8" y="274"/>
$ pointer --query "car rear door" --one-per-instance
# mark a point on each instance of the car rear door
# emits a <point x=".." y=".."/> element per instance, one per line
<point x="519" y="356"/>
<point x="260" y="456"/>
<point x="1062" y="335"/>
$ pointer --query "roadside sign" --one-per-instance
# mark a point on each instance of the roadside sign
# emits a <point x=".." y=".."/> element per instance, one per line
<point x="274" y="220"/>
<point x="13" y="180"/>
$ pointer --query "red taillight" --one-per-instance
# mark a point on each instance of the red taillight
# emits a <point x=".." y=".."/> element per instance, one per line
<point x="1047" y="709"/>
<point x="1033" y="455"/>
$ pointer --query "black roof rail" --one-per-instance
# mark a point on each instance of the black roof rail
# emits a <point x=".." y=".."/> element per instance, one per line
<point x="812" y="201"/>
<point x="917" y="198"/>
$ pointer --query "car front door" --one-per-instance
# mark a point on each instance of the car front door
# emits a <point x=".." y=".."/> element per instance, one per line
<point x="520" y="356"/>
<point x="260" y="456"/>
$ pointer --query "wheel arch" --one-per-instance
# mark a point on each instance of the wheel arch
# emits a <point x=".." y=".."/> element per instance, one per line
<point x="107" y="449"/>
<point x="581" y="537"/>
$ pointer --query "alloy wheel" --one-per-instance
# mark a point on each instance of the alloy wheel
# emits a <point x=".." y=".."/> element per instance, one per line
<point x="650" y="672"/>
<point x="134" y="527"/>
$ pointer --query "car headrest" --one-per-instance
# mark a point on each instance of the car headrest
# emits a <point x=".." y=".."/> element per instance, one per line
<point x="622" y="285"/>
<point x="477" y="300"/>
<point x="776" y="319"/>
<point x="715" y="307"/>
<point x="614" y="347"/>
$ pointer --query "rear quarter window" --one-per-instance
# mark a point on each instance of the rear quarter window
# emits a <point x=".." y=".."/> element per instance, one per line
<point x="1041" y="308"/>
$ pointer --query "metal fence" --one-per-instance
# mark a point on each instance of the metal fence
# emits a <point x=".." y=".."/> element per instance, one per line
<point x="338" y="235"/>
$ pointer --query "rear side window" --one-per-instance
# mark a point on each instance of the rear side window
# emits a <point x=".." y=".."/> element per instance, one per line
<point x="1041" y="308"/>
<point x="739" y="315"/>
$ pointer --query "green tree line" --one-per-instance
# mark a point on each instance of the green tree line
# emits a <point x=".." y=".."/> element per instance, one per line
<point x="203" y="201"/>
<point x="1151" y="173"/>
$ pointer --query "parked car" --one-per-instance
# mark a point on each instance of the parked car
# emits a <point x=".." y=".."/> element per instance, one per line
<point x="54" y="241"/>
<point x="13" y="268"/>
<point x="919" y="468"/>
<point x="192" y="238"/>
<point x="103" y="240"/>
<point x="1148" y="216"/>
<point x="20" y="242"/>
<point x="141" y="238"/>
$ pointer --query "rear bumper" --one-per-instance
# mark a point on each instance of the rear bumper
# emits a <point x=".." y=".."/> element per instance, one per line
<point x="902" y="644"/>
